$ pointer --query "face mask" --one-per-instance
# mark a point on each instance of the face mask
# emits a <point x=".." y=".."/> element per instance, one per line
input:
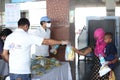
<point x="48" y="25"/>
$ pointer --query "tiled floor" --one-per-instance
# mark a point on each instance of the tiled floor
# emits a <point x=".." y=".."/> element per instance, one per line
<point x="85" y="67"/>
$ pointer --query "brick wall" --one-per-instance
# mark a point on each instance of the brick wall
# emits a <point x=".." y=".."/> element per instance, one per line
<point x="58" y="11"/>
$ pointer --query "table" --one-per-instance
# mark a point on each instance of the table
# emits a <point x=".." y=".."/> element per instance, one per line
<point x="62" y="72"/>
<point x="3" y="68"/>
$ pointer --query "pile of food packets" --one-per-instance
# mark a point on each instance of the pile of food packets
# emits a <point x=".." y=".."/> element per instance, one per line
<point x="40" y="65"/>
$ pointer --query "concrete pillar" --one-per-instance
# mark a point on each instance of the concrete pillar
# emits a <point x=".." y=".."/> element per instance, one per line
<point x="72" y="34"/>
<point x="2" y="10"/>
<point x="110" y="7"/>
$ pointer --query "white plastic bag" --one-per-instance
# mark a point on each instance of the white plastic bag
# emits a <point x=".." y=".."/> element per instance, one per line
<point x="104" y="70"/>
<point x="7" y="78"/>
<point x="69" y="53"/>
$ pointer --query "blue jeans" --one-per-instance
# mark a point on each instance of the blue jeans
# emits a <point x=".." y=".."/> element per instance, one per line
<point x="20" y="76"/>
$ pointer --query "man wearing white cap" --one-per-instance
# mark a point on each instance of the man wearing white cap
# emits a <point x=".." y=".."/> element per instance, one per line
<point x="44" y="32"/>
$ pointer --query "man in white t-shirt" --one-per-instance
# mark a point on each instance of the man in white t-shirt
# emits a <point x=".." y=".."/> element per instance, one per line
<point x="44" y="32"/>
<point x="17" y="50"/>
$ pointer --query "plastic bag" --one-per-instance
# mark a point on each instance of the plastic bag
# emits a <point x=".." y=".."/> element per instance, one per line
<point x="54" y="48"/>
<point x="104" y="70"/>
<point x="69" y="53"/>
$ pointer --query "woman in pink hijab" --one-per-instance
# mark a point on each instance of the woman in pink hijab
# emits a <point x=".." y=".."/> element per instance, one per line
<point x="100" y="44"/>
<point x="97" y="49"/>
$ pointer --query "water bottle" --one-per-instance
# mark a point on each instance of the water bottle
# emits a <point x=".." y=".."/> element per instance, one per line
<point x="102" y="60"/>
<point x="54" y="49"/>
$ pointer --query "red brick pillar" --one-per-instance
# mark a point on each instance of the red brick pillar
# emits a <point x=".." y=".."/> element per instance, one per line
<point x="58" y="11"/>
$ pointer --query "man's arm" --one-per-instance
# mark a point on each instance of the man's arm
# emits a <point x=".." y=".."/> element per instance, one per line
<point x="5" y="55"/>
<point x="54" y="42"/>
<point x="114" y="60"/>
<point x="87" y="51"/>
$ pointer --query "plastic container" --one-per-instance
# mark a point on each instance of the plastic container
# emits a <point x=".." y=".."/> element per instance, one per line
<point x="102" y="60"/>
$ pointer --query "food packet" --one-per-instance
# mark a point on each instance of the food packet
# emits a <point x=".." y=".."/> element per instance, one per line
<point x="104" y="70"/>
<point x="69" y="53"/>
<point x="54" y="48"/>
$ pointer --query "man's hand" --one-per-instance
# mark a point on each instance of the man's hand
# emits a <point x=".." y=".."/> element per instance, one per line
<point x="65" y="42"/>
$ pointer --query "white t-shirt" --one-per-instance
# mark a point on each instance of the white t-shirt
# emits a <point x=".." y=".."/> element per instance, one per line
<point x="42" y="50"/>
<point x="19" y="45"/>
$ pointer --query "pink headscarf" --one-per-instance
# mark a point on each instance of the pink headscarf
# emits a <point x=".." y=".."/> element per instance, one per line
<point x="100" y="44"/>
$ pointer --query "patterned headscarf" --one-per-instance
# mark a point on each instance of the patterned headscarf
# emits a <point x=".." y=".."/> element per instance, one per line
<point x="100" y="44"/>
